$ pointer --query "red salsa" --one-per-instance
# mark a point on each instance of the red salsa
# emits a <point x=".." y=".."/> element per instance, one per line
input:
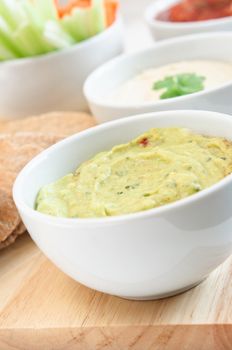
<point x="197" y="10"/>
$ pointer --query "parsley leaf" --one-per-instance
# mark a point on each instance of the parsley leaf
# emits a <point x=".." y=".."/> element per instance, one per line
<point x="179" y="85"/>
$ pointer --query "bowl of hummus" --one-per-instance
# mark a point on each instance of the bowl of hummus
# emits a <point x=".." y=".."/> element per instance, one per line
<point x="172" y="18"/>
<point x="138" y="208"/>
<point x="179" y="73"/>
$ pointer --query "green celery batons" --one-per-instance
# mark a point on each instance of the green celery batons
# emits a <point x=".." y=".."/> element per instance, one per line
<point x="30" y="28"/>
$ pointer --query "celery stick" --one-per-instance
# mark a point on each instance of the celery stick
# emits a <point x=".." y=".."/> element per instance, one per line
<point x="97" y="20"/>
<point x="85" y="23"/>
<point x="12" y="12"/>
<point x="56" y="36"/>
<point x="8" y="41"/>
<point x="25" y="38"/>
<point x="6" y="14"/>
<point x="8" y="49"/>
<point x="78" y="20"/>
<point x="37" y="25"/>
<point x="46" y="9"/>
<point x="5" y="53"/>
<point x="69" y="26"/>
<point x="89" y="24"/>
<point x="31" y="14"/>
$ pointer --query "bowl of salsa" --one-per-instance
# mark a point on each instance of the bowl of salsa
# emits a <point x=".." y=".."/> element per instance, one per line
<point x="175" y="18"/>
<point x="196" y="10"/>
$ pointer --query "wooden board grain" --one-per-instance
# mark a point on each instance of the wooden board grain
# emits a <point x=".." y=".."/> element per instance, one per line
<point x="43" y="309"/>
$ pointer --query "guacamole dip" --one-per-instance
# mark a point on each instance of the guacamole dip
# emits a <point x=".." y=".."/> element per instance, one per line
<point x="159" y="167"/>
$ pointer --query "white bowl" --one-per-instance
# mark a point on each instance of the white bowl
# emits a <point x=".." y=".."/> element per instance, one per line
<point x="54" y="81"/>
<point x="164" y="30"/>
<point x="145" y="255"/>
<point x="212" y="46"/>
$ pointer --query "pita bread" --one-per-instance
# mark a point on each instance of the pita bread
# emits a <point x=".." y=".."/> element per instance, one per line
<point x="20" y="141"/>
<point x="17" y="149"/>
<point x="9" y="217"/>
<point x="12" y="237"/>
<point x="15" y="152"/>
<point x="55" y="123"/>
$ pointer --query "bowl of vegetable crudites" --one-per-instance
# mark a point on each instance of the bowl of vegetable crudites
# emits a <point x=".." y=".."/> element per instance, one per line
<point x="47" y="51"/>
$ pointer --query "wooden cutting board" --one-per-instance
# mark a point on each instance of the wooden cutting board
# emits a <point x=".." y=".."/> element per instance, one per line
<point x="43" y="309"/>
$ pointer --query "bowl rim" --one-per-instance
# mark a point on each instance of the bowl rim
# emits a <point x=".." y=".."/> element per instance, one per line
<point x="66" y="51"/>
<point x="151" y="11"/>
<point x="150" y="213"/>
<point x="109" y="66"/>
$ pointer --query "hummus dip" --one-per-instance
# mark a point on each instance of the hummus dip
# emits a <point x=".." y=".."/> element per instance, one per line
<point x="159" y="167"/>
<point x="140" y="88"/>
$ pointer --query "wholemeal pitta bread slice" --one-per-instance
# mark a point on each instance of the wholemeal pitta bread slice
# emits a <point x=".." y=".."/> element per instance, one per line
<point x="55" y="123"/>
<point x="17" y="149"/>
<point x="20" y="141"/>
<point x="15" y="152"/>
<point x="9" y="217"/>
<point x="20" y="229"/>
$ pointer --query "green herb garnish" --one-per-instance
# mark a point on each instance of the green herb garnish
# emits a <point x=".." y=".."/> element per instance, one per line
<point x="179" y="85"/>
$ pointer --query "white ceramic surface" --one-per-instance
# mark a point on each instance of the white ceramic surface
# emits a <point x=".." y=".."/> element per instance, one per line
<point x="163" y="30"/>
<point x="212" y="46"/>
<point x="54" y="81"/>
<point x="145" y="255"/>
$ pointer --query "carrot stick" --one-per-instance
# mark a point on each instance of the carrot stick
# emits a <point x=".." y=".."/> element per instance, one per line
<point x="66" y="10"/>
<point x="111" y="7"/>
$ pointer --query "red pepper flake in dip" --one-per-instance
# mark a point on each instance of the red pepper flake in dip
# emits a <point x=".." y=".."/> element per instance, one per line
<point x="144" y="142"/>
<point x="197" y="10"/>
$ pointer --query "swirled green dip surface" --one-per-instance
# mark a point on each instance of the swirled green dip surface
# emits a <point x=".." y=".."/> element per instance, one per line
<point x="159" y="167"/>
